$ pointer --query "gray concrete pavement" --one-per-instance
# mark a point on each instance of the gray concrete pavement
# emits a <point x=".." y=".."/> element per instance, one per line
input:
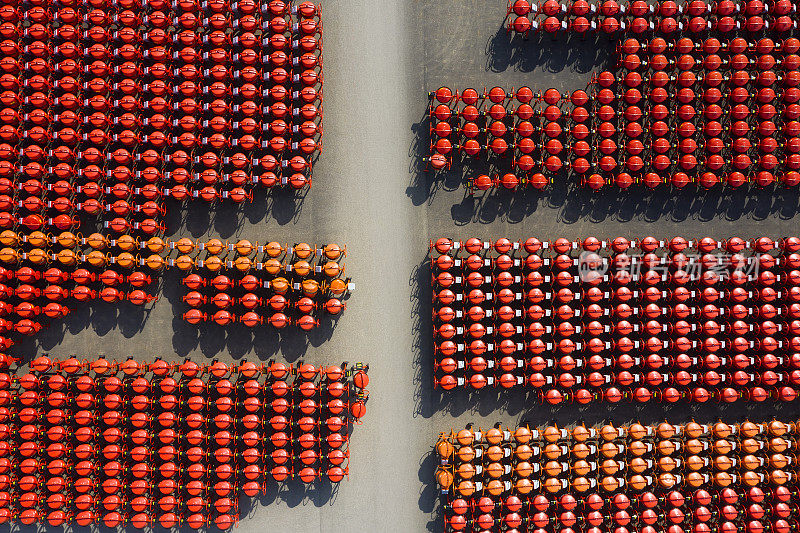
<point x="369" y="193"/>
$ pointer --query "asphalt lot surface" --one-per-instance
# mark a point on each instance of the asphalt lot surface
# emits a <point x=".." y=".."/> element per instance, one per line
<point x="370" y="193"/>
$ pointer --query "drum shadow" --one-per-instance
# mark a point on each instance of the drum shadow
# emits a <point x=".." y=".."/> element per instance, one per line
<point x="427" y="400"/>
<point x="502" y="50"/>
<point x="225" y="219"/>
<point x="248" y="505"/>
<point x="291" y="344"/>
<point x="654" y="412"/>
<point x="424" y="183"/>
<point x="322" y="333"/>
<point x="575" y="203"/>
<point x="192" y="219"/>
<point x="784" y="204"/>
<point x="513" y="206"/>
<point x="102" y="317"/>
<point x="429" y="493"/>
<point x="677" y="205"/>
<point x="580" y="203"/>
<point x="240" y="341"/>
<point x="15" y="527"/>
<point x="185" y="337"/>
<point x="495" y="203"/>
<point x="284" y="208"/>
<point x="420" y="188"/>
<point x="53" y="332"/>
<point x="540" y="51"/>
<point x="485" y="207"/>
<point x="292" y="492"/>
<point x="132" y="318"/>
<point x="593" y="53"/>
<point x="319" y="493"/>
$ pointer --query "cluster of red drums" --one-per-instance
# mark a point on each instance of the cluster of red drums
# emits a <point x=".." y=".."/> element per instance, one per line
<point x="638" y="320"/>
<point x="274" y="106"/>
<point x="666" y="17"/>
<point x="702" y="93"/>
<point x="707" y="135"/>
<point x="43" y="277"/>
<point x="697" y="478"/>
<point x="106" y="108"/>
<point x="71" y="114"/>
<point x="519" y="127"/>
<point x="287" y="285"/>
<point x="143" y="444"/>
<point x="705" y="109"/>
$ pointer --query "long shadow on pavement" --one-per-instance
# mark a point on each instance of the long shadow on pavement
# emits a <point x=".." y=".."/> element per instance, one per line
<point x="540" y="51"/>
